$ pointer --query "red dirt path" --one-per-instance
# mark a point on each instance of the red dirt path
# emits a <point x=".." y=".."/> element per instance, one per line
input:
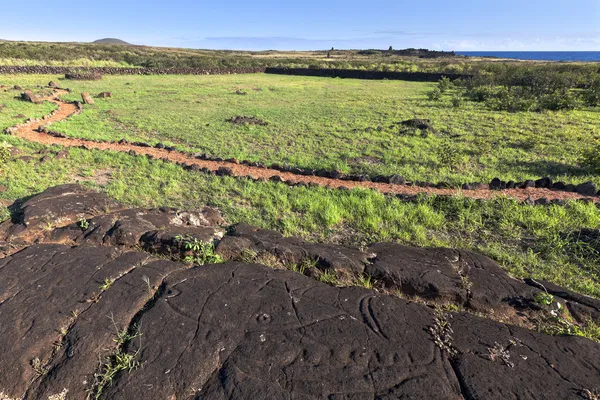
<point x="28" y="131"/>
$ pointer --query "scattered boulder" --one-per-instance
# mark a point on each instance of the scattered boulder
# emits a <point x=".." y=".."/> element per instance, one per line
<point x="52" y="84"/>
<point x="29" y="96"/>
<point x="242" y="120"/>
<point x="104" y="95"/>
<point x="423" y="125"/>
<point x="87" y="99"/>
<point x="84" y="76"/>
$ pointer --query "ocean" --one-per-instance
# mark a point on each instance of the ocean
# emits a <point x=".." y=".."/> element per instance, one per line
<point x="538" y="55"/>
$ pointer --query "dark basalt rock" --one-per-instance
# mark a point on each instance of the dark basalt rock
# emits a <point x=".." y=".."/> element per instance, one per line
<point x="247" y="331"/>
<point x="224" y="171"/>
<point x="290" y="250"/>
<point x="586" y="189"/>
<point x="397" y="180"/>
<point x="545" y="183"/>
<point x="529" y="184"/>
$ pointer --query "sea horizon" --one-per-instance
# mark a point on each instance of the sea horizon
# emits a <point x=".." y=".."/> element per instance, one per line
<point x="564" y="56"/>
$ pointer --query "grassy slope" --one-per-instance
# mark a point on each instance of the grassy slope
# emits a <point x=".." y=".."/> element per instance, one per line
<point x="332" y="123"/>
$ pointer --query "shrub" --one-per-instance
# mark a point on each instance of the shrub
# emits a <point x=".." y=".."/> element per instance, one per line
<point x="457" y="101"/>
<point x="445" y="84"/>
<point x="435" y="94"/>
<point x="591" y="157"/>
<point x="448" y="154"/>
<point x="558" y="101"/>
<point x="591" y="94"/>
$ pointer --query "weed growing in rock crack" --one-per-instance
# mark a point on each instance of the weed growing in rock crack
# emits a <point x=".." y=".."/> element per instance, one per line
<point x="499" y="352"/>
<point x="442" y="332"/>
<point x="38" y="367"/>
<point x="107" y="283"/>
<point x="328" y="277"/>
<point x="591" y="394"/>
<point x="83" y="224"/>
<point x="116" y="362"/>
<point x="364" y="281"/>
<point x="543" y="299"/>
<point x="202" y="252"/>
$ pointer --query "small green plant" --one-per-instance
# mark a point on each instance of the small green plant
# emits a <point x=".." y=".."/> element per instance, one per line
<point x="328" y="277"/>
<point x="84" y="224"/>
<point x="543" y="299"/>
<point x="118" y="361"/>
<point x="364" y="281"/>
<point x="442" y="332"/>
<point x="449" y="154"/>
<point x="4" y="153"/>
<point x="38" y="367"/>
<point x="202" y="252"/>
<point x="107" y="283"/>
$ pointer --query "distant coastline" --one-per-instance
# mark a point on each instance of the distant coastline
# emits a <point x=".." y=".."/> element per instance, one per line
<point x="570" y="56"/>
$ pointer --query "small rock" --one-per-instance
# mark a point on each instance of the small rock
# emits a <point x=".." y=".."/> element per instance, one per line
<point x="397" y="180"/>
<point x="104" y="95"/>
<point x="586" y="189"/>
<point x="28" y="95"/>
<point x="528" y="184"/>
<point x="52" y="84"/>
<point x="559" y="186"/>
<point x="496" y="184"/>
<point x="87" y="99"/>
<point x="62" y="154"/>
<point x="224" y="171"/>
<point x="543" y="183"/>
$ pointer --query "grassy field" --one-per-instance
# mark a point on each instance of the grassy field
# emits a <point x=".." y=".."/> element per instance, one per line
<point x="317" y="122"/>
<point x="336" y="124"/>
<point x="543" y="242"/>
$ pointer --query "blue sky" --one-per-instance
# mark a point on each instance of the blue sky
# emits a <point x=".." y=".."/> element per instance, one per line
<point x="460" y="25"/>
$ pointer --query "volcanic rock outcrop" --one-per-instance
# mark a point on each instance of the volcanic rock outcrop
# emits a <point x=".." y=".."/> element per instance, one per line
<point x="92" y="304"/>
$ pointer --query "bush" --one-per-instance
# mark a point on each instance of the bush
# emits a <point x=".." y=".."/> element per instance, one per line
<point x="435" y="94"/>
<point x="558" y="101"/>
<point x="591" y="157"/>
<point x="481" y="93"/>
<point x="445" y="84"/>
<point x="457" y="101"/>
<point x="591" y="94"/>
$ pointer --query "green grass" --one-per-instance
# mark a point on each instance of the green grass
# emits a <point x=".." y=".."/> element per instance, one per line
<point x="13" y="106"/>
<point x="539" y="242"/>
<point x="333" y="124"/>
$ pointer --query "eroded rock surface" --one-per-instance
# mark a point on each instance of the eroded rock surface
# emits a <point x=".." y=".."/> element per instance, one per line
<point x="75" y="296"/>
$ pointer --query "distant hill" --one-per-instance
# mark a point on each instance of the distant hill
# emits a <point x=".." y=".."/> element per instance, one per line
<point x="110" y="41"/>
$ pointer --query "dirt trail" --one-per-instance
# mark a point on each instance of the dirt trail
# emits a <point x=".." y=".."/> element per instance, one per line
<point x="65" y="110"/>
